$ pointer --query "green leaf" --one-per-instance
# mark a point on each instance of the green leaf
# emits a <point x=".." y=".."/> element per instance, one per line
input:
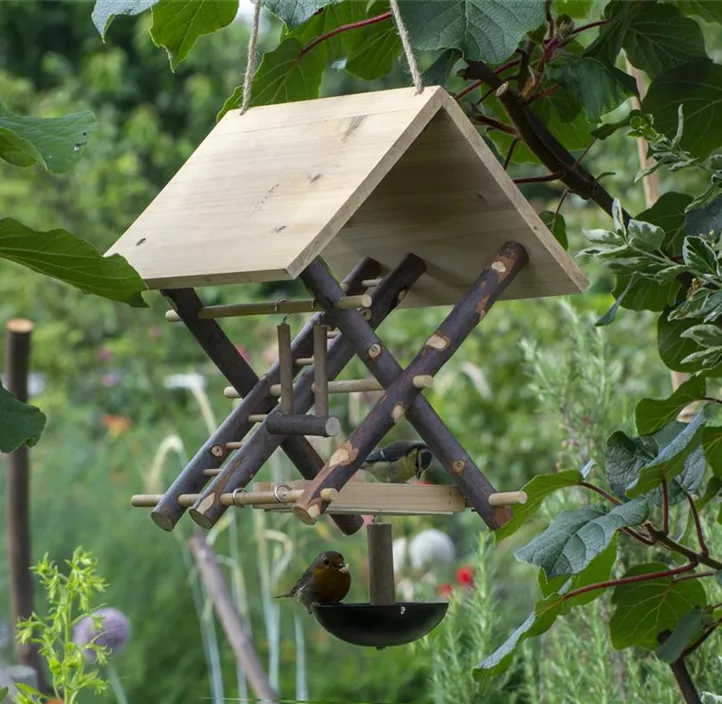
<point x="708" y="10"/>
<point x="19" y="422"/>
<point x="653" y="414"/>
<point x="537" y="489"/>
<point x="705" y="335"/>
<point x="105" y="11"/>
<point x="557" y="226"/>
<point x="607" y="129"/>
<point x="177" y="24"/>
<point x="705" y="221"/>
<point x="575" y="538"/>
<point x="674" y="348"/>
<point x="611" y="314"/>
<point x="646" y="609"/>
<point x="645" y="235"/>
<point x="295" y="12"/>
<point x="484" y="30"/>
<point x="545" y="613"/>
<point x="3" y="694"/>
<point x="686" y="630"/>
<point x="332" y="17"/>
<point x="699" y="255"/>
<point x="377" y="55"/>
<point x="624" y="458"/>
<point x="599" y="87"/>
<point x="63" y="256"/>
<point x="580" y="9"/>
<point x="639" y="293"/>
<point x="619" y="14"/>
<point x="438" y="73"/>
<point x="670" y="461"/>
<point x="660" y="38"/>
<point x="702" y="101"/>
<point x="668" y="213"/>
<point x="55" y="142"/>
<point x="712" y="444"/>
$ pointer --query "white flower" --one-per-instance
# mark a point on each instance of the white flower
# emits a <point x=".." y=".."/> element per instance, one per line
<point x="431" y="548"/>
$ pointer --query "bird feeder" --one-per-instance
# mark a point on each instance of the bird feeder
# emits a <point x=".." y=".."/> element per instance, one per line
<point x="375" y="201"/>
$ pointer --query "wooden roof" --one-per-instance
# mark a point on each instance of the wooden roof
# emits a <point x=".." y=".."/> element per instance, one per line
<point x="373" y="174"/>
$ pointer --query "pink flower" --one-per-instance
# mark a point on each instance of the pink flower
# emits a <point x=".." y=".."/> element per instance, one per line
<point x="445" y="590"/>
<point x="104" y="354"/>
<point x="465" y="576"/>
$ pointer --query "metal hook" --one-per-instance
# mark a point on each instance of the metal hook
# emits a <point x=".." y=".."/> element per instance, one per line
<point x="279" y="497"/>
<point x="277" y="304"/>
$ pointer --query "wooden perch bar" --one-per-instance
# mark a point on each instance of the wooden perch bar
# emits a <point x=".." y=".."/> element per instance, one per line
<point x="382" y="588"/>
<point x="345" y="386"/>
<point x="239" y="310"/>
<point x="256" y="498"/>
<point x="257" y="398"/>
<point x="285" y="363"/>
<point x="401" y="398"/>
<point x="320" y="378"/>
<point x="241" y="643"/>
<point x="242" y="467"/>
<point x="303" y="424"/>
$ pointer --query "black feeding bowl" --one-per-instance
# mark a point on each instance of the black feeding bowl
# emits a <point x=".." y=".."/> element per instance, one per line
<point x="381" y="626"/>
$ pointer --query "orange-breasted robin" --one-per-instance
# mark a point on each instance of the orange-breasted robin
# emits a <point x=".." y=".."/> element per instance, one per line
<point x="326" y="581"/>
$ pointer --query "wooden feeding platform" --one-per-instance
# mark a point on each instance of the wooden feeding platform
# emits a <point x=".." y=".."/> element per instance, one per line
<point x="375" y="202"/>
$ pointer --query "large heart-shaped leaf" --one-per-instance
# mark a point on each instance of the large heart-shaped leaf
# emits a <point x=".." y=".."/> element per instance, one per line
<point x="708" y="10"/>
<point x="484" y="30"/>
<point x="705" y="221"/>
<point x="19" y="422"/>
<point x="575" y="538"/>
<point x="660" y="38"/>
<point x="295" y="12"/>
<point x="702" y="101"/>
<point x="686" y="630"/>
<point x="377" y="55"/>
<point x="106" y="10"/>
<point x="55" y="142"/>
<point x="653" y="414"/>
<point x="537" y="489"/>
<point x="646" y="609"/>
<point x="598" y="86"/>
<point x="63" y="256"/>
<point x="177" y="24"/>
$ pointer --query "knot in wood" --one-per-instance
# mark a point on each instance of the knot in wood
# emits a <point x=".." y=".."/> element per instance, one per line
<point x="499" y="266"/>
<point x="374" y="351"/>
<point x="458" y="467"/>
<point x="398" y="412"/>
<point x="217" y="451"/>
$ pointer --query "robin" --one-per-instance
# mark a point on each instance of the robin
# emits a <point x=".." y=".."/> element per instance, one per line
<point x="398" y="462"/>
<point x="326" y="581"/>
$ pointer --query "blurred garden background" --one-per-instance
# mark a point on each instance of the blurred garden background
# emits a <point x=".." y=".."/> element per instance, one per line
<point x="129" y="400"/>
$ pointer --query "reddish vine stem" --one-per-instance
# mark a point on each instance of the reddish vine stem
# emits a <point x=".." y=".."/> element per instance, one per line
<point x="674" y="546"/>
<point x="469" y="89"/>
<point x="549" y="18"/>
<point x="601" y="492"/>
<point x="344" y="28"/>
<point x="665" y="507"/>
<point x="585" y="27"/>
<point x="630" y="580"/>
<point x="696" y="575"/>
<point x="540" y="179"/>
<point x="698" y="525"/>
<point x="543" y="94"/>
<point x="494" y="124"/>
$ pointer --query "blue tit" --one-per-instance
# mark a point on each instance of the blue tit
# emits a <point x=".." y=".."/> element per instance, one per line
<point x="398" y="462"/>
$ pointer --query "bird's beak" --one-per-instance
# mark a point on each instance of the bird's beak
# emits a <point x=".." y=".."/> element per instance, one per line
<point x="343" y="568"/>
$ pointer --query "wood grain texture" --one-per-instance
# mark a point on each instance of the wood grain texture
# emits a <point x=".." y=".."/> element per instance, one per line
<point x="379" y="174"/>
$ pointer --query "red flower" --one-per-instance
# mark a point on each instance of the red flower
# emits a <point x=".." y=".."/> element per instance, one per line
<point x="445" y="590"/>
<point x="465" y="576"/>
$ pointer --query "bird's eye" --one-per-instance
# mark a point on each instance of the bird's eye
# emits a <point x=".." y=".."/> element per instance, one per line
<point x="326" y="562"/>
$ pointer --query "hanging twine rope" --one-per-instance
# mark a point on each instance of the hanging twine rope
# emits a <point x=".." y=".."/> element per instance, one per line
<point x="251" y="63"/>
<point x="406" y="43"/>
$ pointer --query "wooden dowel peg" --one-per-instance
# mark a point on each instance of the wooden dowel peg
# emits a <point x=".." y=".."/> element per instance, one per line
<point x="257" y="417"/>
<point x="332" y="333"/>
<point x="234" y="445"/>
<point x="348" y="386"/>
<point x="304" y="361"/>
<point x="301" y="424"/>
<point x="320" y="374"/>
<point x="507" y="498"/>
<point x="211" y="472"/>
<point x="371" y="283"/>
<point x="285" y="362"/>
<point x="238" y="310"/>
<point x="423" y="381"/>
<point x="381" y="564"/>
